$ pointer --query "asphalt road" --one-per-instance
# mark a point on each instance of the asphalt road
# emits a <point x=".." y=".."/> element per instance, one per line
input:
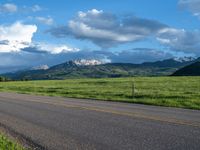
<point x="72" y="124"/>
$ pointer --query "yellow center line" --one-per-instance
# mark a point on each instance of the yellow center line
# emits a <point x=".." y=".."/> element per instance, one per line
<point x="135" y="115"/>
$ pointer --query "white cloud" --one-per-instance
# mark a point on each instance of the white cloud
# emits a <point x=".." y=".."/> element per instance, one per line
<point x="47" y="21"/>
<point x="8" y="8"/>
<point x="50" y="48"/>
<point x="12" y="8"/>
<point x="36" y="8"/>
<point x="63" y="49"/>
<point x="56" y="49"/>
<point x="89" y="32"/>
<point x="17" y="36"/>
<point x="90" y="12"/>
<point x="106" y="29"/>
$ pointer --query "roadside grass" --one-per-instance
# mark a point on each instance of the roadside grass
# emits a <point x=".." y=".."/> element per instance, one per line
<point x="182" y="92"/>
<point x="6" y="144"/>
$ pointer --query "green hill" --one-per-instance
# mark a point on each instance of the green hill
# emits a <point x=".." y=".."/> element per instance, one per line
<point x="190" y="70"/>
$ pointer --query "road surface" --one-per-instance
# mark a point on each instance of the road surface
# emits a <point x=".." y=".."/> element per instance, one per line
<point x="73" y="124"/>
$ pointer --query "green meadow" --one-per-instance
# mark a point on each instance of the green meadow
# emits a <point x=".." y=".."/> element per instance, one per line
<point x="183" y="92"/>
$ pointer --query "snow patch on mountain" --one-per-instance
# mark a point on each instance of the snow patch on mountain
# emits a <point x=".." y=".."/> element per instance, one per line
<point x="184" y="59"/>
<point x="41" y="67"/>
<point x="88" y="62"/>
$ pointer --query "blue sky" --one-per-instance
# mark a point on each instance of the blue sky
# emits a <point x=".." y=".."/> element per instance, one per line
<point x="34" y="33"/>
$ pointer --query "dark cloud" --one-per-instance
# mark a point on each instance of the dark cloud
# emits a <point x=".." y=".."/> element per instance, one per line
<point x="181" y="40"/>
<point x="34" y="49"/>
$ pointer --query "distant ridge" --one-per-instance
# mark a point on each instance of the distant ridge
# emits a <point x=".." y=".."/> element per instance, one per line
<point x="190" y="70"/>
<point x="98" y="69"/>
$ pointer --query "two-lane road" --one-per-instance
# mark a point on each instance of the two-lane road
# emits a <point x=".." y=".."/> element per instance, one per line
<point x="63" y="123"/>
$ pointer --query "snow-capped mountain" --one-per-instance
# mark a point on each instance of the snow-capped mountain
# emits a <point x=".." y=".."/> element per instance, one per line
<point x="184" y="59"/>
<point x="95" y="69"/>
<point x="41" y="67"/>
<point x="87" y="62"/>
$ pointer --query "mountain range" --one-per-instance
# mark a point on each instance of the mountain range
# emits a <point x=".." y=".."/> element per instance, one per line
<point x="97" y="69"/>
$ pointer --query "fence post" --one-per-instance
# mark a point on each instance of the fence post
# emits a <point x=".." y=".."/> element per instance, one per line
<point x="133" y="88"/>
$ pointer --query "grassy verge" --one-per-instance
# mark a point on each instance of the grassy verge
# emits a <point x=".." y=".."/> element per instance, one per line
<point x="181" y="92"/>
<point x="6" y="144"/>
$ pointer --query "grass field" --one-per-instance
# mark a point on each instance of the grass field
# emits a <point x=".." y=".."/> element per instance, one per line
<point x="181" y="92"/>
<point x="6" y="144"/>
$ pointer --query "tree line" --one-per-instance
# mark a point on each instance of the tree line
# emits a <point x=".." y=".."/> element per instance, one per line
<point x="4" y="79"/>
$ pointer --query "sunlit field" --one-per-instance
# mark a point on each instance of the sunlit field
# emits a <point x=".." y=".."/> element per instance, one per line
<point x="183" y="92"/>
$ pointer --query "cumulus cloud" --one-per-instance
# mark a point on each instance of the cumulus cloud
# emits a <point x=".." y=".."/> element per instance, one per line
<point x="47" y="21"/>
<point x="36" y="8"/>
<point x="56" y="49"/>
<point x="180" y="39"/>
<point x="106" y="29"/>
<point x="13" y="8"/>
<point x="50" y="48"/>
<point x="8" y="8"/>
<point x="192" y="5"/>
<point x="16" y="36"/>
